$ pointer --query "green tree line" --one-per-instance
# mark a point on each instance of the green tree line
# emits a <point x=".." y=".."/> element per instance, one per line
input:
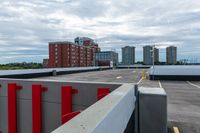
<point x="23" y="65"/>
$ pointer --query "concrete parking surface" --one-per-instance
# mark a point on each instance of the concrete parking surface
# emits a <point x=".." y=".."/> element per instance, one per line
<point x="183" y="97"/>
<point x="183" y="105"/>
<point x="116" y="75"/>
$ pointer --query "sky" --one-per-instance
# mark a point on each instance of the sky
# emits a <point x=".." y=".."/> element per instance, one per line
<point x="26" y="26"/>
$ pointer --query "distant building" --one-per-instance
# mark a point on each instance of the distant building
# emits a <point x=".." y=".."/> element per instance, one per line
<point x="68" y="54"/>
<point x="148" y="55"/>
<point x="88" y="43"/>
<point x="128" y="55"/>
<point x="63" y="54"/>
<point x="45" y="63"/>
<point x="106" y="58"/>
<point x="171" y="55"/>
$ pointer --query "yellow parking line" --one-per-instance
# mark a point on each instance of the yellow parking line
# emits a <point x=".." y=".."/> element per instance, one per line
<point x="176" y="130"/>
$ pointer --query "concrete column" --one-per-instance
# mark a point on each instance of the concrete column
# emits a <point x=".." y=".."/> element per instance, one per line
<point x="152" y="110"/>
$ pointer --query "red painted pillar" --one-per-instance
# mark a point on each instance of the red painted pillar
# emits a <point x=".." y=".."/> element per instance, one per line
<point x="102" y="92"/>
<point x="37" y="107"/>
<point x="12" y="107"/>
<point x="66" y="101"/>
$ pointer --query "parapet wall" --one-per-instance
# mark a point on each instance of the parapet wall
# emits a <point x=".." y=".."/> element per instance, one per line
<point x="33" y="73"/>
<point x="22" y="107"/>
<point x="109" y="115"/>
<point x="175" y="72"/>
<point x="44" y="106"/>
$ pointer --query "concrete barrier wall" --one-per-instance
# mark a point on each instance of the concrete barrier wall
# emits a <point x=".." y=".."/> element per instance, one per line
<point x="109" y="115"/>
<point x="51" y="102"/>
<point x="175" y="72"/>
<point x="152" y="110"/>
<point x="32" y="73"/>
<point x="112" y="114"/>
<point x="134" y="66"/>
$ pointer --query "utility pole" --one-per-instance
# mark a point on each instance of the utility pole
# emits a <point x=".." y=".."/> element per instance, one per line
<point x="153" y="59"/>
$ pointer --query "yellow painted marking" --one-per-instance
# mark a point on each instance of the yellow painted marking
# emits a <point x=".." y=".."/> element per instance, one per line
<point x="176" y="130"/>
<point x="143" y="74"/>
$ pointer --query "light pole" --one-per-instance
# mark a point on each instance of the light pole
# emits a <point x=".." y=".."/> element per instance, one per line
<point x="153" y="59"/>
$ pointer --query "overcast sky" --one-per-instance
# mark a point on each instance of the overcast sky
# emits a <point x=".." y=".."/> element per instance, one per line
<point x="26" y="26"/>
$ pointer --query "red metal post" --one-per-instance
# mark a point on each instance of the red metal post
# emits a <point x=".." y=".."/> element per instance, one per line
<point x="37" y="107"/>
<point x="12" y="107"/>
<point x="66" y="99"/>
<point x="102" y="92"/>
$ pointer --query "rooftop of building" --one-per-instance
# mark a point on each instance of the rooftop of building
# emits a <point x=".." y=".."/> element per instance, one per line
<point x="128" y="47"/>
<point x="156" y="45"/>
<point x="172" y="46"/>
<point x="106" y="52"/>
<point x="62" y="42"/>
<point x="147" y="46"/>
<point x="84" y="38"/>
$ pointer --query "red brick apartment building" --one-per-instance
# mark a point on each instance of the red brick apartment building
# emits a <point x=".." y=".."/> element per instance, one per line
<point x="68" y="54"/>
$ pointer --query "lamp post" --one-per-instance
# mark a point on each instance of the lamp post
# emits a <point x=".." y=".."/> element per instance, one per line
<point x="153" y="59"/>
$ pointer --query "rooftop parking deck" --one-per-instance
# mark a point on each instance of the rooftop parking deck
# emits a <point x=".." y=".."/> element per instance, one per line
<point x="116" y="75"/>
<point x="183" y="105"/>
<point x="183" y="96"/>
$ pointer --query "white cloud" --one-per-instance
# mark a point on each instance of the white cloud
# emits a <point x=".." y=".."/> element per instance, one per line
<point x="27" y="26"/>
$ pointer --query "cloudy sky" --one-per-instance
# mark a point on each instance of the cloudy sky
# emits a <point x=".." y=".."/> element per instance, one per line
<point x="26" y="26"/>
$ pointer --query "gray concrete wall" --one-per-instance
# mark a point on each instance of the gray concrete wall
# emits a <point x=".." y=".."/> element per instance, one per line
<point x="51" y="102"/>
<point x="152" y="110"/>
<point x="109" y="115"/>
<point x="34" y="73"/>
